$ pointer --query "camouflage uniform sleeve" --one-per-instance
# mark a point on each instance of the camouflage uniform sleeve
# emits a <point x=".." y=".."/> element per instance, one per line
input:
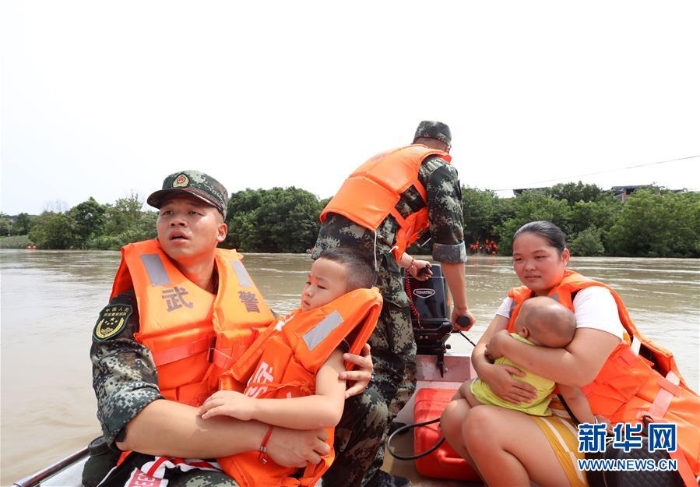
<point x="442" y="185"/>
<point x="123" y="372"/>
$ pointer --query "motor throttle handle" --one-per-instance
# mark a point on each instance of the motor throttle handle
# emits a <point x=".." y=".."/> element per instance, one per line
<point x="464" y="321"/>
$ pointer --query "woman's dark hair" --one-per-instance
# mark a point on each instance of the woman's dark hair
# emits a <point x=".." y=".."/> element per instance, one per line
<point x="554" y="235"/>
<point x="360" y="273"/>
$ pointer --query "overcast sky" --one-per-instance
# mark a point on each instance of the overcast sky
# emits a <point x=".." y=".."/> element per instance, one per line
<point x="105" y="98"/>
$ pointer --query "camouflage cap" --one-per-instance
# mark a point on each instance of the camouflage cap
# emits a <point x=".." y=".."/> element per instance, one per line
<point x="195" y="183"/>
<point x="434" y="130"/>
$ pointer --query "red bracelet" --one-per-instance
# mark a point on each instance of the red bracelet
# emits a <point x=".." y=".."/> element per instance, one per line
<point x="263" y="446"/>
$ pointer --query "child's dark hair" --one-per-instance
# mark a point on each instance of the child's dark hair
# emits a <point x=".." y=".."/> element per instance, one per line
<point x="360" y="273"/>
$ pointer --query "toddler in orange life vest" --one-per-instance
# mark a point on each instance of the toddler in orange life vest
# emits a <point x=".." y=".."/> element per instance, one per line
<point x="542" y="321"/>
<point x="339" y="284"/>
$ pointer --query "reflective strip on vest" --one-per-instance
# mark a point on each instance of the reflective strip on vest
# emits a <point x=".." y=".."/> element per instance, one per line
<point x="155" y="269"/>
<point x="241" y="274"/>
<point x="318" y="333"/>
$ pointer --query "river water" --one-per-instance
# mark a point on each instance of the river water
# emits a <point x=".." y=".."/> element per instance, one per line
<point x="49" y="302"/>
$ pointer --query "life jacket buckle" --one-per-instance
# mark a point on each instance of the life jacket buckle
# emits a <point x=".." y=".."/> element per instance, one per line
<point x="212" y="347"/>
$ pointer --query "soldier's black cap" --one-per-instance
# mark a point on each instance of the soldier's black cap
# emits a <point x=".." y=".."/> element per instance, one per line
<point x="434" y="130"/>
<point x="196" y="183"/>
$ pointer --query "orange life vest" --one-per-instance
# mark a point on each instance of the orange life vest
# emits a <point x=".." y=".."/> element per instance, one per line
<point x="372" y="191"/>
<point x="283" y="362"/>
<point x="639" y="378"/>
<point x="193" y="335"/>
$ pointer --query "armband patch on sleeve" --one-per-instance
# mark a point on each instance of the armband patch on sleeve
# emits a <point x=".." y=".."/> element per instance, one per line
<point x="112" y="321"/>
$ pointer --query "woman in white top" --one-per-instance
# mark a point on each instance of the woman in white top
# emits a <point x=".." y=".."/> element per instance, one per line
<point x="511" y="448"/>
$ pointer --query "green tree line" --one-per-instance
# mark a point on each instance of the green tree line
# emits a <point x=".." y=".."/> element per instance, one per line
<point x="652" y="222"/>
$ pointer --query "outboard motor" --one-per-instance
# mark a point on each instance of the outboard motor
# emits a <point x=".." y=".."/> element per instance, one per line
<point x="430" y="313"/>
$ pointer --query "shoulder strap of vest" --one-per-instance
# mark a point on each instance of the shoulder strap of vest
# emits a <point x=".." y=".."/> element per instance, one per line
<point x="368" y="321"/>
<point x="663" y="359"/>
<point x="122" y="280"/>
<point x="353" y="314"/>
<point x="443" y="155"/>
<point x="321" y="331"/>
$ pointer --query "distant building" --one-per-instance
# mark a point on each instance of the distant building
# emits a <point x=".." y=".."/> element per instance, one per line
<point x="518" y="192"/>
<point x="620" y="192"/>
<point x="623" y="192"/>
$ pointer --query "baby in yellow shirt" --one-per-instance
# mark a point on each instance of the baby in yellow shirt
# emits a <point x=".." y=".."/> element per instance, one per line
<point x="541" y="321"/>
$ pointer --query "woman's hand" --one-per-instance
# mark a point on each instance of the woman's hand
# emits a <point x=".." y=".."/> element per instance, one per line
<point x="362" y="375"/>
<point x="500" y="379"/>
